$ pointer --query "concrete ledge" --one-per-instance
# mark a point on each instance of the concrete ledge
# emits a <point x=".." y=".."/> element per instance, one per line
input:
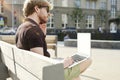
<point x="70" y="42"/>
<point x="105" y="44"/>
<point x="108" y="44"/>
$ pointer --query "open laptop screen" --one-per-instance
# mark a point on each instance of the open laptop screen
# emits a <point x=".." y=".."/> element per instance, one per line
<point x="84" y="43"/>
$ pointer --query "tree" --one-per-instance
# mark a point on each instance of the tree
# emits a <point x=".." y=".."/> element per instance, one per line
<point x="119" y="16"/>
<point x="103" y="16"/>
<point x="77" y="15"/>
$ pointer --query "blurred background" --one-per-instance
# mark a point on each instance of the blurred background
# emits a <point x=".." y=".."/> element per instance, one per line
<point x="101" y="18"/>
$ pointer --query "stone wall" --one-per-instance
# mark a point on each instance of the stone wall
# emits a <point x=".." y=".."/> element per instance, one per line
<point x="107" y="44"/>
<point x="71" y="42"/>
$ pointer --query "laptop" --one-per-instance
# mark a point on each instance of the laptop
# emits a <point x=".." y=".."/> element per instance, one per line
<point x="83" y="48"/>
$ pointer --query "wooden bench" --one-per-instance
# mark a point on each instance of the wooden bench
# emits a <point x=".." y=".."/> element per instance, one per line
<point x="26" y="65"/>
<point x="52" y="42"/>
<point x="8" y="38"/>
<point x="50" y="39"/>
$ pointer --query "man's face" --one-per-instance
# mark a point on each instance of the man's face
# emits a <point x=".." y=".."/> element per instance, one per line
<point x="43" y="14"/>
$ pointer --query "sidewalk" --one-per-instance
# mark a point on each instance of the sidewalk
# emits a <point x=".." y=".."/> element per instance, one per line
<point x="105" y="65"/>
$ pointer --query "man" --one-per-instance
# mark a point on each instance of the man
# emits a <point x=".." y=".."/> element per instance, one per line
<point x="32" y="32"/>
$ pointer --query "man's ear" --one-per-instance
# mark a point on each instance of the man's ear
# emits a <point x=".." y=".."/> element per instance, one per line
<point x="36" y="8"/>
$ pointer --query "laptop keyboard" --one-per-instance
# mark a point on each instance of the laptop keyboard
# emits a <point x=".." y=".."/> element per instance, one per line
<point x="77" y="57"/>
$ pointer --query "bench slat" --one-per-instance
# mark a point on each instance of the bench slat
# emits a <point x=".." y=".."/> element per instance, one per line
<point x="8" y="62"/>
<point x="32" y="62"/>
<point x="8" y="38"/>
<point x="22" y="74"/>
<point x="7" y="55"/>
<point x="6" y="49"/>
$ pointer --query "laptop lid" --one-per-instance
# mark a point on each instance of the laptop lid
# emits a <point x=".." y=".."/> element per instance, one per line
<point x="84" y="44"/>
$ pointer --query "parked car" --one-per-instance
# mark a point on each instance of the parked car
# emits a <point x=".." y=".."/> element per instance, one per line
<point x="1" y="27"/>
<point x="69" y="29"/>
<point x="7" y="31"/>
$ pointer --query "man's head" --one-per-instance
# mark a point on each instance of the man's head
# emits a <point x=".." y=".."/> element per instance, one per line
<point x="29" y="6"/>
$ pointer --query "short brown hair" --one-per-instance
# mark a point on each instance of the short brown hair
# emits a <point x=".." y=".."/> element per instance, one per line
<point x="29" y="5"/>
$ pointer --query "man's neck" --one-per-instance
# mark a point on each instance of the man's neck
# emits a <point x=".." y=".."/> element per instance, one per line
<point x="34" y="17"/>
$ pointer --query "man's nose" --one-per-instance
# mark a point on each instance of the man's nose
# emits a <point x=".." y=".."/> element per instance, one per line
<point x="49" y="14"/>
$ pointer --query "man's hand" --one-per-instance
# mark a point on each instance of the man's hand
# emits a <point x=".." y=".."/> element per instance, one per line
<point x="43" y="27"/>
<point x="67" y="62"/>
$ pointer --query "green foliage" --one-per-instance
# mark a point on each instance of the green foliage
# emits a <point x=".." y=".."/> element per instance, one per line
<point x="77" y="14"/>
<point x="103" y="16"/>
<point x="118" y="16"/>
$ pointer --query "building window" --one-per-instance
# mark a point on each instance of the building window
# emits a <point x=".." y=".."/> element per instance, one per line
<point x="64" y="3"/>
<point x="103" y="5"/>
<point x="87" y="4"/>
<point x="90" y="22"/>
<point x="113" y="12"/>
<point x="93" y="5"/>
<point x="64" y="20"/>
<point x="77" y="24"/>
<point x="77" y="3"/>
<point x="15" y="2"/>
<point x="90" y="4"/>
<point x="113" y="8"/>
<point x="113" y="2"/>
<point x="50" y="23"/>
<point x="1" y="6"/>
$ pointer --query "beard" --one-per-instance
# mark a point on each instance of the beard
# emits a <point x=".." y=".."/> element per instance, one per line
<point x="42" y="20"/>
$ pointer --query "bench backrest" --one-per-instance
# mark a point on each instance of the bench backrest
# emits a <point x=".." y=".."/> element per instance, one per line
<point x="8" y="38"/>
<point x="11" y="38"/>
<point x="26" y="65"/>
<point x="35" y="64"/>
<point x="52" y="42"/>
<point x="50" y="39"/>
<point x="7" y="57"/>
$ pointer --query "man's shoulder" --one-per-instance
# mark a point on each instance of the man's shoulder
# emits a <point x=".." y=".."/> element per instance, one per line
<point x="26" y="26"/>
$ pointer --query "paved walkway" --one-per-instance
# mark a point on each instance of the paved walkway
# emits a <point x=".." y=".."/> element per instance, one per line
<point x="105" y="65"/>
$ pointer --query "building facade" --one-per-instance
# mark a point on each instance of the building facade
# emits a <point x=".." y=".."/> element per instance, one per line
<point x="13" y="12"/>
<point x="94" y="13"/>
